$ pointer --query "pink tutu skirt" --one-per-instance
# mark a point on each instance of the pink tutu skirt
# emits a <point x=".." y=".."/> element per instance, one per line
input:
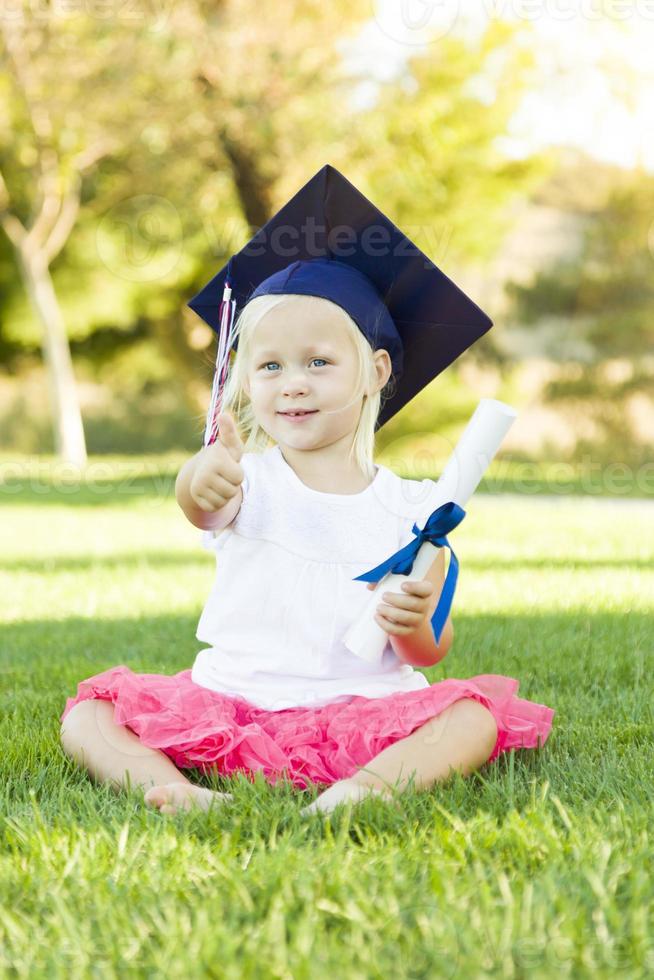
<point x="199" y="728"/>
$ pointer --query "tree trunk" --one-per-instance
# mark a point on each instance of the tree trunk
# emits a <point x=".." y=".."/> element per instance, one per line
<point x="68" y="428"/>
<point x="251" y="186"/>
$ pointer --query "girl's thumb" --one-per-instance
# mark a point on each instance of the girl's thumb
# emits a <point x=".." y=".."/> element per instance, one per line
<point x="228" y="434"/>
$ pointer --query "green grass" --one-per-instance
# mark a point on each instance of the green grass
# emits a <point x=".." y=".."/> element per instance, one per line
<point x="539" y="865"/>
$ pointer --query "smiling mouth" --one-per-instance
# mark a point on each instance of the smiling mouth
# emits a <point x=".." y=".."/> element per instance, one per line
<point x="296" y="414"/>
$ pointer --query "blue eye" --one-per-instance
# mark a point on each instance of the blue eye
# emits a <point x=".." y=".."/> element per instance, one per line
<point x="277" y="362"/>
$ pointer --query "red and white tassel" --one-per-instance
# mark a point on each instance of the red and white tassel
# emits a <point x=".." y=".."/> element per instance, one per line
<point x="227" y="310"/>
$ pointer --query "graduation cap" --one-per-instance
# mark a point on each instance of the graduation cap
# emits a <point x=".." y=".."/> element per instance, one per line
<point x="331" y="241"/>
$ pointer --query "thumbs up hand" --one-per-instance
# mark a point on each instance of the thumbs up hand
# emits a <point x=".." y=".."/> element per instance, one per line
<point x="219" y="474"/>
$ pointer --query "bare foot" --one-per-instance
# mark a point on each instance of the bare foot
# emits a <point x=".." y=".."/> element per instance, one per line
<point x="344" y="791"/>
<point x="183" y="796"/>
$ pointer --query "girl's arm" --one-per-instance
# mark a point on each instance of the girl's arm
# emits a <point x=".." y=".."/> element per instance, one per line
<point x="208" y="486"/>
<point x="205" y="520"/>
<point x="419" y="649"/>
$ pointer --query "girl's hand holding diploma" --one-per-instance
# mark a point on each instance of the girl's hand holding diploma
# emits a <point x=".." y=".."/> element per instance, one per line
<point x="403" y="613"/>
<point x="219" y="474"/>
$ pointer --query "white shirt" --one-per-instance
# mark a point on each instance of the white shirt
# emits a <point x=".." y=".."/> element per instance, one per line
<point x="284" y="596"/>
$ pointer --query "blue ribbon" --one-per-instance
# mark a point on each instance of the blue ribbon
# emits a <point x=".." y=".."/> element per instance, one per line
<point x="444" y="519"/>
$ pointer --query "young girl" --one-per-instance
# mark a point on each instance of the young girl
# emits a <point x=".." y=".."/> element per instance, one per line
<point x="294" y="515"/>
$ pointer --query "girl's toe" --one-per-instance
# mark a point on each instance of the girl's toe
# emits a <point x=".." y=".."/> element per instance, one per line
<point x="156" y="795"/>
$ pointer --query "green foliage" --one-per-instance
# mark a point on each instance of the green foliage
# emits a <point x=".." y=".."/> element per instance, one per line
<point x="437" y="164"/>
<point x="199" y="152"/>
<point x="607" y="293"/>
<point x="166" y="196"/>
<point x="599" y="303"/>
<point x="150" y="416"/>
<point x="177" y="190"/>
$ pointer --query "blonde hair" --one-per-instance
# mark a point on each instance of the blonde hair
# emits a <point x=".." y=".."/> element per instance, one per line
<point x="236" y="401"/>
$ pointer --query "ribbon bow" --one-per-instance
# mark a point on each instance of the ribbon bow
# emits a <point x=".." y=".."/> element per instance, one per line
<point x="444" y="519"/>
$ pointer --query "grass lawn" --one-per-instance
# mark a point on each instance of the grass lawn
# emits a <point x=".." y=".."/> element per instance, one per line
<point x="540" y="865"/>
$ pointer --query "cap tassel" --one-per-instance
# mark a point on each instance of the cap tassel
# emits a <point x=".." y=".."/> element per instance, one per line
<point x="227" y="311"/>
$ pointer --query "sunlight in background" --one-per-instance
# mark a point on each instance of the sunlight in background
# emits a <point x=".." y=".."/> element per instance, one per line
<point x="594" y="86"/>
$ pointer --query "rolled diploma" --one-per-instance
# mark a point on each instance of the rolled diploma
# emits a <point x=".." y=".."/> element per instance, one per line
<point x="470" y="459"/>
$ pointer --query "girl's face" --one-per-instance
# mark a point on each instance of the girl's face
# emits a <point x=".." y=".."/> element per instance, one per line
<point x="303" y="358"/>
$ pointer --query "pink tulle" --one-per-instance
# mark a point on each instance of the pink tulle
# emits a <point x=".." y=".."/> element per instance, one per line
<point x="199" y="728"/>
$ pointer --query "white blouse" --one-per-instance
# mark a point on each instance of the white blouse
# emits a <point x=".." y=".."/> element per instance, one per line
<point x="284" y="596"/>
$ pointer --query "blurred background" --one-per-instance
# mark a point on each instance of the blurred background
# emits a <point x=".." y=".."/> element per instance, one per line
<point x="141" y="144"/>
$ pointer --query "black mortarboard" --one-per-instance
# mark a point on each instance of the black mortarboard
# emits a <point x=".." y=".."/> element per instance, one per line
<point x="331" y="241"/>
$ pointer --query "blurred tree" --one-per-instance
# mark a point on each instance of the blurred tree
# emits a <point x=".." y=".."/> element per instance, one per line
<point x="603" y="299"/>
<point x="39" y="227"/>
<point x="427" y="148"/>
<point x="431" y="147"/>
<point x="142" y="106"/>
<point x="607" y="293"/>
<point x="266" y="90"/>
<point x="57" y="125"/>
<point x="431" y="150"/>
<point x="194" y="127"/>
